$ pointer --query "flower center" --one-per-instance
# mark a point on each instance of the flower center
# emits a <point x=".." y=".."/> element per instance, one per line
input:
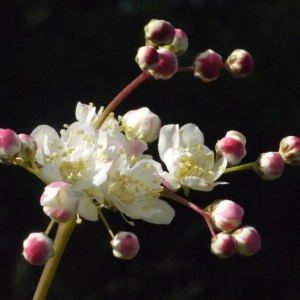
<point x="196" y="162"/>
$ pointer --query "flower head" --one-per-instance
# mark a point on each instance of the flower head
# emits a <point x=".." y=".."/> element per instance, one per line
<point x="190" y="163"/>
<point x="135" y="191"/>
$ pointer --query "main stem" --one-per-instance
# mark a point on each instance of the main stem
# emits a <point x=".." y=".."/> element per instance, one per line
<point x="120" y="97"/>
<point x="62" y="236"/>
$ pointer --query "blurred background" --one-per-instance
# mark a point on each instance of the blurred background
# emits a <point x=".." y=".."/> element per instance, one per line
<point x="56" y="53"/>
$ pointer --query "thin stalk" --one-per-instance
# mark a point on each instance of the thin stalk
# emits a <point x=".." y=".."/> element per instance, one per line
<point x="240" y="168"/>
<point x="171" y="195"/>
<point x="62" y="236"/>
<point x="120" y="97"/>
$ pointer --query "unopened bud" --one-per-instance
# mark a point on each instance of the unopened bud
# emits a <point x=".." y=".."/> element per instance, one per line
<point x="248" y="240"/>
<point x="10" y="145"/>
<point x="207" y="65"/>
<point x="289" y="149"/>
<point x="147" y="57"/>
<point x="59" y="201"/>
<point x="141" y="124"/>
<point x="239" y="63"/>
<point x="269" y="165"/>
<point x="125" y="245"/>
<point x="38" y="248"/>
<point x="223" y="245"/>
<point x="29" y="147"/>
<point x="159" y="32"/>
<point x="179" y="44"/>
<point x="167" y="65"/>
<point x="226" y="215"/>
<point x="232" y="147"/>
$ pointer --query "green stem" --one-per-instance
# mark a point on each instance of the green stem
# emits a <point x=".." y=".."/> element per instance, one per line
<point x="240" y="168"/>
<point x="120" y="97"/>
<point x="62" y="236"/>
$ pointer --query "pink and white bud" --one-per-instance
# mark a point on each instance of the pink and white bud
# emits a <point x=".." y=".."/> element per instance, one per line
<point x="289" y="149"/>
<point x="226" y="215"/>
<point x="29" y="147"/>
<point x="239" y="63"/>
<point x="167" y="65"/>
<point x="141" y="124"/>
<point x="59" y="201"/>
<point x="147" y="58"/>
<point x="223" y="245"/>
<point x="248" y="240"/>
<point x="207" y="65"/>
<point x="10" y="145"/>
<point x="232" y="147"/>
<point x="179" y="44"/>
<point x="38" y="248"/>
<point x="269" y="165"/>
<point x="159" y="32"/>
<point x="125" y="245"/>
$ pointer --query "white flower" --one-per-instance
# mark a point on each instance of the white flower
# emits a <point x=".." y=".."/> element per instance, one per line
<point x="134" y="190"/>
<point x="190" y="163"/>
<point x="78" y="158"/>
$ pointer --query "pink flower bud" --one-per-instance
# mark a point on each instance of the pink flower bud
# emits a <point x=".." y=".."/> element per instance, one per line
<point x="248" y="240"/>
<point x="207" y="65"/>
<point x="289" y="149"/>
<point x="226" y="215"/>
<point x="223" y="245"/>
<point x="269" y="165"/>
<point x="29" y="147"/>
<point x="125" y="245"/>
<point x="239" y="63"/>
<point x="167" y="65"/>
<point x="159" y="32"/>
<point x="232" y="146"/>
<point x="59" y="201"/>
<point x="10" y="145"/>
<point x="147" y="57"/>
<point x="38" y="248"/>
<point x="141" y="124"/>
<point x="179" y="44"/>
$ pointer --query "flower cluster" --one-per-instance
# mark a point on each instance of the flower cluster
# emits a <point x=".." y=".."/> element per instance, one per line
<point x="101" y="162"/>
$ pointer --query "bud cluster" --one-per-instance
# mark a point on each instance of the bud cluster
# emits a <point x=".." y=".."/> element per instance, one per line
<point x="164" y="44"/>
<point x="226" y="216"/>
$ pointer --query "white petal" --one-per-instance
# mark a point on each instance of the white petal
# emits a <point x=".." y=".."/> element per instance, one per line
<point x="47" y="140"/>
<point x="165" y="216"/>
<point x="219" y="167"/>
<point x="135" y="147"/>
<point x="189" y="135"/>
<point x="50" y="173"/>
<point x="196" y="183"/>
<point x="87" y="209"/>
<point x="169" y="181"/>
<point x="171" y="160"/>
<point x="168" y="138"/>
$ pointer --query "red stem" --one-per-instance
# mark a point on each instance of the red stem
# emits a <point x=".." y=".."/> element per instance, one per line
<point x="121" y="96"/>
<point x="171" y="195"/>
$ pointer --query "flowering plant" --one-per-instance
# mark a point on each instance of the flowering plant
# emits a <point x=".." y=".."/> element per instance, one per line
<point x="101" y="162"/>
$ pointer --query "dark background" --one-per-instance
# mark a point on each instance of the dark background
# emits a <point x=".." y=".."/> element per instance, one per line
<point x="56" y="53"/>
